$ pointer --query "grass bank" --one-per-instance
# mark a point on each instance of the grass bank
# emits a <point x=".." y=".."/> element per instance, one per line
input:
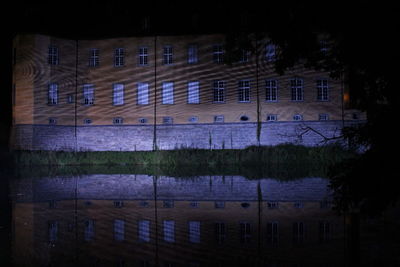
<point x="189" y="157"/>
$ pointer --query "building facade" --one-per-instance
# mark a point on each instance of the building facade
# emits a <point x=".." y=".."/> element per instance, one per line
<point x="165" y="92"/>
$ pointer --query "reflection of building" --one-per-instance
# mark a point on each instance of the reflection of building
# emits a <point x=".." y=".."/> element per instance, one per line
<point x="106" y="220"/>
<point x="166" y="91"/>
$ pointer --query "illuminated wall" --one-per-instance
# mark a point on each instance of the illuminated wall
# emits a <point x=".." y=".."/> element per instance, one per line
<point x="188" y="113"/>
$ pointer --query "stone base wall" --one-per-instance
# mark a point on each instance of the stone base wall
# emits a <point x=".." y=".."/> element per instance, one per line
<point x="141" y="137"/>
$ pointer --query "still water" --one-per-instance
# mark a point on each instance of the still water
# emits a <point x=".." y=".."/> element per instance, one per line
<point x="155" y="220"/>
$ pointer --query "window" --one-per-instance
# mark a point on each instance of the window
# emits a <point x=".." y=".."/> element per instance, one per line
<point x="219" y="204"/>
<point x="219" y="118"/>
<point x="298" y="232"/>
<point x="322" y="90"/>
<point x="270" y="52"/>
<point x="297" y="117"/>
<point x="324" y="231"/>
<point x="244" y="91"/>
<point x="194" y="232"/>
<point x="218" y="54"/>
<point x="118" y="120"/>
<point x="53" y="55"/>
<point x="88" y="94"/>
<point x="142" y="120"/>
<point x="118" y="204"/>
<point x="272" y="205"/>
<point x="296" y="86"/>
<point x="119" y="57"/>
<point x="272" y="233"/>
<point x="168" y="203"/>
<point x="168" y="93"/>
<point x="143" y="93"/>
<point x="143" y="56"/>
<point x="220" y="232"/>
<point x="70" y="99"/>
<point x="323" y="117"/>
<point x="271" y="90"/>
<point x="94" y="57"/>
<point x="169" y="231"/>
<point x="193" y="93"/>
<point x="244" y="56"/>
<point x="168" y="120"/>
<point x="218" y="91"/>
<point x="193" y="119"/>
<point x="119" y="230"/>
<point x="192" y="54"/>
<point x="298" y="205"/>
<point x="144" y="230"/>
<point x="52" y="96"/>
<point x="52" y="121"/>
<point x="167" y="57"/>
<point x="194" y="204"/>
<point x="245" y="233"/>
<point x="87" y="121"/>
<point x="244" y="118"/>
<point x="144" y="203"/>
<point x="89" y="230"/>
<point x="52" y="231"/>
<point x="118" y="94"/>
<point x="272" y="117"/>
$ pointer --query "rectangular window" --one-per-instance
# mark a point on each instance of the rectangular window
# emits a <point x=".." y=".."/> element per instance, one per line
<point x="324" y="231"/>
<point x="218" y="91"/>
<point x="53" y="231"/>
<point x="119" y="57"/>
<point x="296" y="86"/>
<point x="192" y="54"/>
<point x="218" y="54"/>
<point x="119" y="230"/>
<point x="94" y="57"/>
<point x="52" y="96"/>
<point x="193" y="93"/>
<point x="298" y="233"/>
<point x="143" y="93"/>
<point x="270" y="52"/>
<point x="169" y="231"/>
<point x="143" y="56"/>
<point x="322" y="90"/>
<point x="168" y="93"/>
<point x="194" y="232"/>
<point x="245" y="233"/>
<point x="89" y="230"/>
<point x="144" y="230"/>
<point x="118" y="120"/>
<point x="53" y="121"/>
<point x="244" y="91"/>
<point x="167" y="56"/>
<point x="323" y="117"/>
<point x="220" y="232"/>
<point x="219" y="118"/>
<point x="271" y="90"/>
<point x="118" y="94"/>
<point x="168" y="120"/>
<point x="272" y="233"/>
<point x="272" y="117"/>
<point x="88" y="94"/>
<point x="53" y="58"/>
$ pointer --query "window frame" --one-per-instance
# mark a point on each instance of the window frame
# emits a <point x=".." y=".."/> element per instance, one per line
<point x="297" y="89"/>
<point x="271" y="90"/>
<point x="219" y="91"/>
<point x="244" y="91"/>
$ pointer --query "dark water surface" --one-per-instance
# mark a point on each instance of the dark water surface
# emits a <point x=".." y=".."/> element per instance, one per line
<point x="151" y="220"/>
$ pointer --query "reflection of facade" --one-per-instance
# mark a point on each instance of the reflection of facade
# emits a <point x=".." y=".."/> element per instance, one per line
<point x="138" y="220"/>
<point x="166" y="91"/>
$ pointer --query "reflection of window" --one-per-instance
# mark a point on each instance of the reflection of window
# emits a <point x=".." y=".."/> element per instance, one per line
<point x="194" y="231"/>
<point x="272" y="233"/>
<point x="169" y="231"/>
<point x="324" y="231"/>
<point x="53" y="231"/>
<point x="220" y="232"/>
<point x="144" y="230"/>
<point x="89" y="230"/>
<point x="298" y="232"/>
<point x="119" y="230"/>
<point x="245" y="233"/>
